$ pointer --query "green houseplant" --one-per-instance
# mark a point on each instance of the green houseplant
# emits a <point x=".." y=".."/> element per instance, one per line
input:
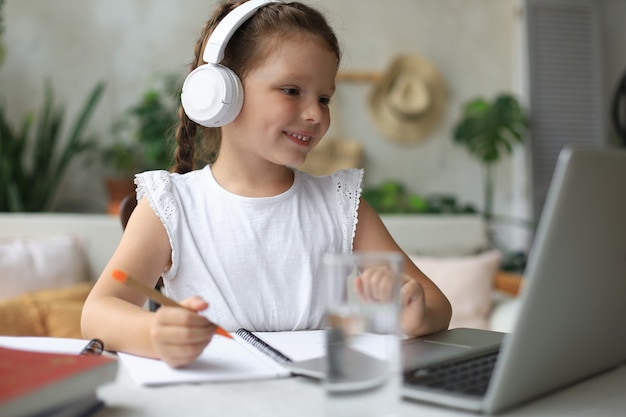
<point x="392" y="197"/>
<point x="32" y="164"/>
<point x="143" y="135"/>
<point x="489" y="129"/>
<point x="142" y="139"/>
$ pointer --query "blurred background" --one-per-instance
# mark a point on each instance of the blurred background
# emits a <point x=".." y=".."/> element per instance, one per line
<point x="563" y="60"/>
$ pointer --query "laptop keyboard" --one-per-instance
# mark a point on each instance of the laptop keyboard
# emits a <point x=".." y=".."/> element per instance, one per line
<point x="466" y="376"/>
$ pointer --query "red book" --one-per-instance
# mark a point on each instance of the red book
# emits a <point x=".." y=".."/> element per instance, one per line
<point x="37" y="381"/>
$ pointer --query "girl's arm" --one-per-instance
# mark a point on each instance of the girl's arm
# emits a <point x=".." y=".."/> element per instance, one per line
<point x="425" y="309"/>
<point x="114" y="312"/>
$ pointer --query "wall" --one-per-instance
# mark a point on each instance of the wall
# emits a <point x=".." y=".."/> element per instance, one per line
<point x="474" y="43"/>
<point x="125" y="43"/>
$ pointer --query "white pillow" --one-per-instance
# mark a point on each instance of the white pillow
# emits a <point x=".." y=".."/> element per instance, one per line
<point x="467" y="281"/>
<point x="29" y="264"/>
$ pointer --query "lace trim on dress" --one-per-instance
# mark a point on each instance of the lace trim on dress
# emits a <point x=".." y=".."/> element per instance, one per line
<point x="157" y="188"/>
<point x="349" y="189"/>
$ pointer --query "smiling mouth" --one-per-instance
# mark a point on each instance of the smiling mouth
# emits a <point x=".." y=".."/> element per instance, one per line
<point x="302" y="138"/>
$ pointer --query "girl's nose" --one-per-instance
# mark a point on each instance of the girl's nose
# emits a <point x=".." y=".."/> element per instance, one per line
<point x="313" y="111"/>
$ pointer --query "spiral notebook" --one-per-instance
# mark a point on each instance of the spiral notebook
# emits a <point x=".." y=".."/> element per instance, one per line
<point x="248" y="356"/>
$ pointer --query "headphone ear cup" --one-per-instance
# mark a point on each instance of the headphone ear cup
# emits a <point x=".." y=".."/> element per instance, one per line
<point x="212" y="95"/>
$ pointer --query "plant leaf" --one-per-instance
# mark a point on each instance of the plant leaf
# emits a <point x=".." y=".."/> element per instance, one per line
<point x="32" y="165"/>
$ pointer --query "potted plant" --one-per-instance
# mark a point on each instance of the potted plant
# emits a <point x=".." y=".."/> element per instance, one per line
<point x="488" y="130"/>
<point x="33" y="165"/>
<point x="142" y="139"/>
<point x="391" y="197"/>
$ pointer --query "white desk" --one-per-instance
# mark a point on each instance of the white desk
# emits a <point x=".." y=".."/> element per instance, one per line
<point x="289" y="397"/>
<point x="602" y="396"/>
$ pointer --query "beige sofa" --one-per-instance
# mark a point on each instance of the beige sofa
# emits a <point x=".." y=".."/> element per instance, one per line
<point x="48" y="263"/>
<point x="59" y="256"/>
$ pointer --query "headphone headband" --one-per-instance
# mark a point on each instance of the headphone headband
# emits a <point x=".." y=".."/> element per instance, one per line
<point x="212" y="94"/>
<point x="214" y="49"/>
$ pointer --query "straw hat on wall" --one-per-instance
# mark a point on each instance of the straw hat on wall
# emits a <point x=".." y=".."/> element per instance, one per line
<point x="409" y="101"/>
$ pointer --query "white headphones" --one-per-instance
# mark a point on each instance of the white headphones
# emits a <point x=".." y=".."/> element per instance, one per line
<point x="212" y="94"/>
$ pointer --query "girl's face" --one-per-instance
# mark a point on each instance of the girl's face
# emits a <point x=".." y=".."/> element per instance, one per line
<point x="286" y="102"/>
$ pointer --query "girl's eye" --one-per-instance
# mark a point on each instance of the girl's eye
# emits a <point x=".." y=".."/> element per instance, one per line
<point x="325" y="101"/>
<point x="291" y="91"/>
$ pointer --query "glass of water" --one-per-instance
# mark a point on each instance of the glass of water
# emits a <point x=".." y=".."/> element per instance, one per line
<point x="363" y="334"/>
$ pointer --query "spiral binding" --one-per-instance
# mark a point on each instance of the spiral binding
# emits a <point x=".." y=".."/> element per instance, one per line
<point x="262" y="346"/>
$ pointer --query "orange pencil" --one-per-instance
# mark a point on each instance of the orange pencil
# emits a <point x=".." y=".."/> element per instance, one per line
<point x="155" y="295"/>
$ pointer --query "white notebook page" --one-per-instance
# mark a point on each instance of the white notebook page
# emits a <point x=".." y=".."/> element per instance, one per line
<point x="223" y="360"/>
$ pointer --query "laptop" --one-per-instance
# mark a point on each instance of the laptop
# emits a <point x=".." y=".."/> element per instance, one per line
<point x="572" y="306"/>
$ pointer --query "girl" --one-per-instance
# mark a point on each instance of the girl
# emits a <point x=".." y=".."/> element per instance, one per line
<point x="240" y="239"/>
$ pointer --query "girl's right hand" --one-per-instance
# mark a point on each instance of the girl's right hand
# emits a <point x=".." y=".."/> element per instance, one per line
<point x="179" y="335"/>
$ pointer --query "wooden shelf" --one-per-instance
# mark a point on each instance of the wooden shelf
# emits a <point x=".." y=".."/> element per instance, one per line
<point x="359" y="76"/>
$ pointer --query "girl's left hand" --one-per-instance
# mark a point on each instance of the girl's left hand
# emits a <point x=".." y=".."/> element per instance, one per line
<point x="376" y="285"/>
<point x="413" y="302"/>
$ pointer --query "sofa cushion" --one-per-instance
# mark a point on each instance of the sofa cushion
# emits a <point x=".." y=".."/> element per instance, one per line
<point x="52" y="312"/>
<point x="34" y="263"/>
<point x="467" y="281"/>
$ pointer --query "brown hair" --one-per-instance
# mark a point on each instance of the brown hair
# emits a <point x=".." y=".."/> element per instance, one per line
<point x="247" y="47"/>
